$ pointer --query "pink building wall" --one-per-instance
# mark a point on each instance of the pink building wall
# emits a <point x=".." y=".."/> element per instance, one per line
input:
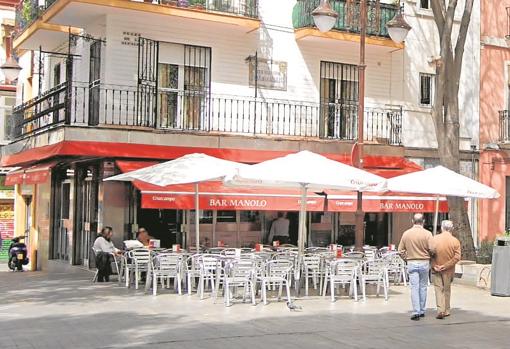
<point x="494" y="80"/>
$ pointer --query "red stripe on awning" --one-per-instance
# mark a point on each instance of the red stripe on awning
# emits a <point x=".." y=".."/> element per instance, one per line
<point x="216" y="196"/>
<point x="32" y="175"/>
<point x="151" y="152"/>
<point x="39" y="173"/>
<point x="128" y="166"/>
<point x="15" y="177"/>
<point x="392" y="202"/>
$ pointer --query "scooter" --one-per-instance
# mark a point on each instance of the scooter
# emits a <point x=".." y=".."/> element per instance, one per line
<point x="18" y="254"/>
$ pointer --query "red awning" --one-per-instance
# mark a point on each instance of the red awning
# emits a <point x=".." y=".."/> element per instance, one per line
<point x="216" y="196"/>
<point x="32" y="175"/>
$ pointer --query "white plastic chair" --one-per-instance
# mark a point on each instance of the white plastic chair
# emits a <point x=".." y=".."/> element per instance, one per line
<point x="276" y="272"/>
<point x="370" y="254"/>
<point x="192" y="270"/>
<point x="312" y="269"/>
<point x="166" y="266"/>
<point x="375" y="272"/>
<point x="396" y="267"/>
<point x="238" y="273"/>
<point x="141" y="258"/>
<point x="343" y="272"/>
<point x="208" y="273"/>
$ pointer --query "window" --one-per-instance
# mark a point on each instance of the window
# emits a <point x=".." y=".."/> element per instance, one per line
<point x="425" y="4"/>
<point x="226" y="216"/>
<point x="56" y="75"/>
<point x="426" y="87"/>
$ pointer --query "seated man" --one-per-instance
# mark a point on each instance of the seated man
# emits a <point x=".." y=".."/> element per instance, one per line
<point x="143" y="236"/>
<point x="104" y="249"/>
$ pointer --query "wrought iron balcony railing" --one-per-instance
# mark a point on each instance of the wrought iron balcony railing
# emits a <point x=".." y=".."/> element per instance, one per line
<point x="194" y="111"/>
<point x="504" y="126"/>
<point x="29" y="10"/>
<point x="378" y="14"/>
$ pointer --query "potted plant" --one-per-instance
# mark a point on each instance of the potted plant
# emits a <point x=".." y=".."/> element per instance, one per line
<point x="197" y="4"/>
<point x="171" y="2"/>
<point x="503" y="239"/>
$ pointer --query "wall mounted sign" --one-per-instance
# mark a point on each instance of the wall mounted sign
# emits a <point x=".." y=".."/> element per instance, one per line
<point x="130" y="38"/>
<point x="271" y="75"/>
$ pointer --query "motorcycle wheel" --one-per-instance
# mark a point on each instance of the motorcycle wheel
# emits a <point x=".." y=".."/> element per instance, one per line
<point x="12" y="263"/>
<point x="19" y="266"/>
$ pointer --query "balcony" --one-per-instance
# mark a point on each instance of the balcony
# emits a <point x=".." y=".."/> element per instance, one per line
<point x="504" y="126"/>
<point x="347" y="24"/>
<point x="57" y="15"/>
<point x="199" y="113"/>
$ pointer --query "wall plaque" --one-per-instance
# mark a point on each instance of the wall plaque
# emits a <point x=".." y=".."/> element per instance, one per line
<point x="270" y="74"/>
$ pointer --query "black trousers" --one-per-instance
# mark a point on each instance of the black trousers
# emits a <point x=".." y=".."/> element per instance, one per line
<point x="104" y="266"/>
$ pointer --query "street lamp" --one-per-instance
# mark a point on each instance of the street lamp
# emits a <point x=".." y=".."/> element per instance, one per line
<point x="398" y="28"/>
<point x="325" y="18"/>
<point x="10" y="69"/>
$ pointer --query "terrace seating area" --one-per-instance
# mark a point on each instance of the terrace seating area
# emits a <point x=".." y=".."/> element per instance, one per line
<point x="265" y="274"/>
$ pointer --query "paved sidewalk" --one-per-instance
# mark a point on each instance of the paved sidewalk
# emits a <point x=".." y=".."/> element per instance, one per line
<point x="64" y="310"/>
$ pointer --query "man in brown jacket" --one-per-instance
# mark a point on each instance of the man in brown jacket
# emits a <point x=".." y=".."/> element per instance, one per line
<point x="414" y="248"/>
<point x="445" y="249"/>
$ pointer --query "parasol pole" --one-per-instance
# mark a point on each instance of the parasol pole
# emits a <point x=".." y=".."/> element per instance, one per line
<point x="197" y="219"/>
<point x="302" y="221"/>
<point x="434" y="230"/>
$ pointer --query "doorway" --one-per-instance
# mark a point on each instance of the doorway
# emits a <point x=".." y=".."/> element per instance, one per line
<point x="86" y="213"/>
<point x="338" y="100"/>
<point x="376" y="229"/>
<point x="161" y="224"/>
<point x="62" y="185"/>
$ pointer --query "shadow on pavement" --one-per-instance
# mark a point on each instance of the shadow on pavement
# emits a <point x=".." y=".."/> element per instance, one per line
<point x="68" y="311"/>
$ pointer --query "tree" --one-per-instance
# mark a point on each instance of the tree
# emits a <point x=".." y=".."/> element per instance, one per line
<point x="445" y="109"/>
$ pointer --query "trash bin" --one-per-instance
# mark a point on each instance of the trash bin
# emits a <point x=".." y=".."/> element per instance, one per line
<point x="500" y="272"/>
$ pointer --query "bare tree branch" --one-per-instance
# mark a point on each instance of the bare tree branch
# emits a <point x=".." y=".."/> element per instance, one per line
<point x="439" y="13"/>
<point x="461" y="40"/>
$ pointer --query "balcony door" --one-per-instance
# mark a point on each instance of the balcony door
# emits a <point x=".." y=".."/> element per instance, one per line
<point x="183" y="86"/>
<point x="94" y="82"/>
<point x="339" y="100"/>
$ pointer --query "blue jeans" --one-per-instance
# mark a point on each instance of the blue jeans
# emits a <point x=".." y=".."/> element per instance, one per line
<point x="418" y="279"/>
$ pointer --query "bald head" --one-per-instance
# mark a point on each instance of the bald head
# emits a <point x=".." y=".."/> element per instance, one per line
<point x="418" y="219"/>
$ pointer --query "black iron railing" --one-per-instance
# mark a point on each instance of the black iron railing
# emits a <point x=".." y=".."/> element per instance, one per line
<point x="504" y="126"/>
<point x="245" y="8"/>
<point x="378" y="14"/>
<point x="37" y="114"/>
<point x="194" y="111"/>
